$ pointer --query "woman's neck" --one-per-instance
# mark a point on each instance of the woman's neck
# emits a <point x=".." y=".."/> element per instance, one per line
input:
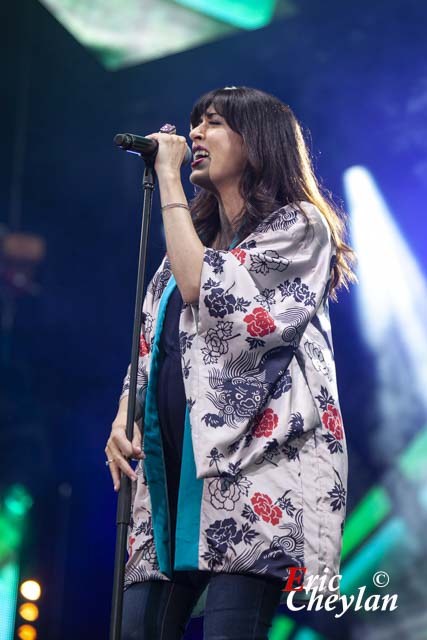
<point x="230" y="207"/>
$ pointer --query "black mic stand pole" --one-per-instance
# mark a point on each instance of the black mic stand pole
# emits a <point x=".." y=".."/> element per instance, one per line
<point x="124" y="496"/>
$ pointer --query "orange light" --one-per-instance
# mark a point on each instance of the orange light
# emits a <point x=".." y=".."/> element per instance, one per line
<point x="27" y="632"/>
<point x="31" y="590"/>
<point x="29" y="611"/>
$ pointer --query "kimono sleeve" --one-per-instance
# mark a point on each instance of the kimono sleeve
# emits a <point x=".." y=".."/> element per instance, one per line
<point x="254" y="305"/>
<point x="146" y="338"/>
<point x="271" y="285"/>
<point x="142" y="376"/>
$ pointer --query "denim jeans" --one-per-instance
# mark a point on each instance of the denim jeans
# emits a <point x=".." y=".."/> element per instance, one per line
<point x="238" y="606"/>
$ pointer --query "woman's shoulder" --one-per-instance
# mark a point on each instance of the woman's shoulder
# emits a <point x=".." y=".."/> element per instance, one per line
<point x="303" y="210"/>
<point x="296" y="216"/>
<point x="310" y="210"/>
<point x="316" y="219"/>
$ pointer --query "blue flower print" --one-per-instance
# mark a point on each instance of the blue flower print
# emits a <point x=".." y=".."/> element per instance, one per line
<point x="299" y="290"/>
<point x="220" y="303"/>
<point x="215" y="260"/>
<point x="210" y="283"/>
<point x="223" y="533"/>
<point x="337" y="494"/>
<point x="266" y="298"/>
<point x="296" y="423"/>
<point x="159" y="282"/>
<point x="185" y="341"/>
<point x="216" y="341"/>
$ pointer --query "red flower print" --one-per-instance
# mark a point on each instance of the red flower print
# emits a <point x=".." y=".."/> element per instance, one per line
<point x="332" y="420"/>
<point x="263" y="506"/>
<point x="143" y="347"/>
<point x="131" y="541"/>
<point x="265" y="423"/>
<point x="240" y="255"/>
<point x="260" y="323"/>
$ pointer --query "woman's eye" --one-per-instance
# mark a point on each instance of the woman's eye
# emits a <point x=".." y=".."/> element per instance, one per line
<point x="215" y="122"/>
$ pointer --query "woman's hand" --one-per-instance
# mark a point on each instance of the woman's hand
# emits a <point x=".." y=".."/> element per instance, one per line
<point x="184" y="248"/>
<point x="170" y="154"/>
<point x="119" y="448"/>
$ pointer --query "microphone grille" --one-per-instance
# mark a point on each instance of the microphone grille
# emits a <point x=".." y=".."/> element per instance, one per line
<point x="122" y="140"/>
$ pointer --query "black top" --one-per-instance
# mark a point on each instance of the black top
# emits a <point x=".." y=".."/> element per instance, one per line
<point x="171" y="401"/>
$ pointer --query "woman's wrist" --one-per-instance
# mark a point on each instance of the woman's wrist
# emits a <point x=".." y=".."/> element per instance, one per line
<point x="174" y="205"/>
<point x="168" y="176"/>
<point x="123" y="403"/>
<point x="171" y="190"/>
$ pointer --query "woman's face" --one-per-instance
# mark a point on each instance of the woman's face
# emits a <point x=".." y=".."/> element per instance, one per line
<point x="226" y="157"/>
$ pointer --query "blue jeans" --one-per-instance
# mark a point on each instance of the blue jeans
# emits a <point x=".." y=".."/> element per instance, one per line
<point x="238" y="606"/>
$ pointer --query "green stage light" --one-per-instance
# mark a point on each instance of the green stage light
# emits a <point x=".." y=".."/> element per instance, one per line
<point x="358" y="571"/>
<point x="307" y="634"/>
<point x="14" y="507"/>
<point x="281" y="628"/>
<point x="367" y="533"/>
<point x="246" y="14"/>
<point x="376" y="505"/>
<point x="10" y="536"/>
<point x="126" y="33"/>
<point x="9" y="576"/>
<point x="413" y="460"/>
<point x="364" y="519"/>
<point x="18" y="500"/>
<point x="136" y="31"/>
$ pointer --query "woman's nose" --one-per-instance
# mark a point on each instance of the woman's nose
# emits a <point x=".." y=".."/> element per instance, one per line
<point x="196" y="132"/>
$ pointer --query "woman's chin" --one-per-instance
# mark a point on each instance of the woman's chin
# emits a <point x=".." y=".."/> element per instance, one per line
<point x="201" y="179"/>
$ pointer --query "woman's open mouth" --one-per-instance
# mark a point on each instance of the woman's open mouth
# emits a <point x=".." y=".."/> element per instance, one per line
<point x="199" y="155"/>
<point x="195" y="163"/>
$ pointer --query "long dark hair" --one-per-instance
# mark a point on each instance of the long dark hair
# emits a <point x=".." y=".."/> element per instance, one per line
<point x="278" y="171"/>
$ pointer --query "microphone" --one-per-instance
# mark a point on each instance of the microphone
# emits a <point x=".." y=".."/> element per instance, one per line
<point x="145" y="147"/>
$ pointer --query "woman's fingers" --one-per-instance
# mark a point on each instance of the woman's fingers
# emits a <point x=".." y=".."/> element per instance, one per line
<point x="171" y="151"/>
<point x="119" y="463"/>
<point x="118" y="449"/>
<point x="118" y="440"/>
<point x="115" y="475"/>
<point x="136" y="443"/>
<point x="114" y="471"/>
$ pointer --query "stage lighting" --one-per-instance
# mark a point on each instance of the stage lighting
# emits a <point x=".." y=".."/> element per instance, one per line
<point x="392" y="297"/>
<point x="26" y="632"/>
<point x="392" y="293"/>
<point x="17" y="500"/>
<point x="30" y="589"/>
<point x="120" y="34"/>
<point x="243" y="14"/>
<point x="9" y="577"/>
<point x="29" y="611"/>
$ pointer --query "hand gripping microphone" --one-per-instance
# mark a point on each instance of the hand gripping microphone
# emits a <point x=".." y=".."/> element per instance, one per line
<point x="144" y="147"/>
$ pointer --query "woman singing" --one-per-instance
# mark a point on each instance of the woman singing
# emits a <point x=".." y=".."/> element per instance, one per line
<point x="242" y="477"/>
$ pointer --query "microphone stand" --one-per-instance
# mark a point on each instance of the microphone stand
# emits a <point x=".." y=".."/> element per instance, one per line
<point x="124" y="496"/>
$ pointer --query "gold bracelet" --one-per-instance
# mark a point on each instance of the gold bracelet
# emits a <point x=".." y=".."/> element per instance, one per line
<point x="175" y="204"/>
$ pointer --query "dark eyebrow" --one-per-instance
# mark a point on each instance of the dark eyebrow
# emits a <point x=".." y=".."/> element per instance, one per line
<point x="209" y="114"/>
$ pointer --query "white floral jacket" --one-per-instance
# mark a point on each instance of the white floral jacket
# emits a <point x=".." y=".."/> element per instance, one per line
<point x="264" y="469"/>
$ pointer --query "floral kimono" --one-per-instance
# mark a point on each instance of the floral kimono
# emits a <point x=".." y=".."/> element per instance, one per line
<point x="264" y="463"/>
